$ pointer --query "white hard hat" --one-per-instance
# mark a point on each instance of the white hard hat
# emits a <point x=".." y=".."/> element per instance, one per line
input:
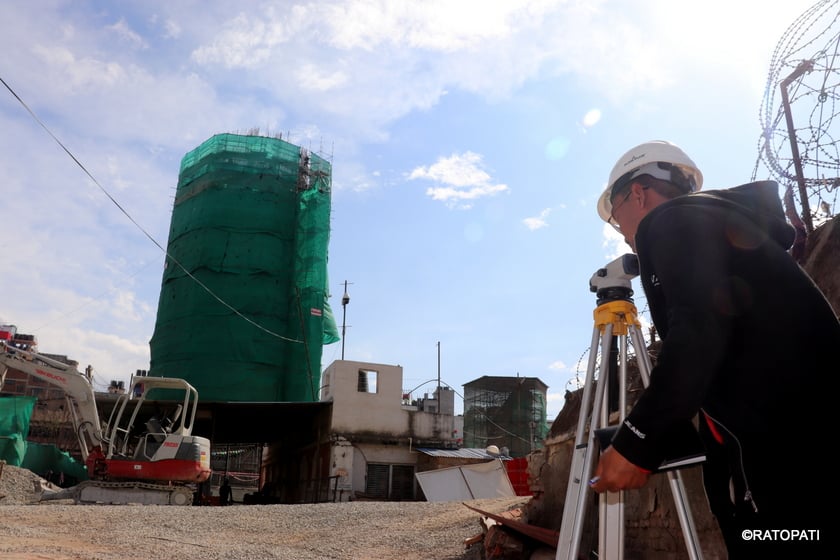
<point x="657" y="158"/>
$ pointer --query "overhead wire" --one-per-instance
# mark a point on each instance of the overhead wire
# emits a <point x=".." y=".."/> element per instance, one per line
<point x="133" y="221"/>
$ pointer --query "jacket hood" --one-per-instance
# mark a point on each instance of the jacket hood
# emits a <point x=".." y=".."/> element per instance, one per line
<point x="758" y="201"/>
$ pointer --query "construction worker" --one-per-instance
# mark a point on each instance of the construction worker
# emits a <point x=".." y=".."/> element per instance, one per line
<point x="748" y="344"/>
<point x="225" y="493"/>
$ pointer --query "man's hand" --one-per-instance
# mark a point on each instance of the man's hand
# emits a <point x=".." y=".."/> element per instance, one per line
<point x="615" y="473"/>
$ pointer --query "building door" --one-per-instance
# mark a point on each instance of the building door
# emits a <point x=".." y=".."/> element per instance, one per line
<point x="402" y="482"/>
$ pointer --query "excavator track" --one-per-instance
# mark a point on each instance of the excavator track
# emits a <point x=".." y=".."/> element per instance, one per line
<point x="122" y="493"/>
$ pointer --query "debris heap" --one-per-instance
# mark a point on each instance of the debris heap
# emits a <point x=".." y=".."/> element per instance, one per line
<point x="17" y="485"/>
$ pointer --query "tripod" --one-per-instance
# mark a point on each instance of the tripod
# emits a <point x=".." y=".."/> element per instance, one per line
<point x="615" y="318"/>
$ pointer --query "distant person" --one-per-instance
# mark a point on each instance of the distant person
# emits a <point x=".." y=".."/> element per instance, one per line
<point x="225" y="493"/>
<point x="748" y="341"/>
<point x="201" y="494"/>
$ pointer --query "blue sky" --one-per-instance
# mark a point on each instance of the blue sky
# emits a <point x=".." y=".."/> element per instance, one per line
<point x="469" y="141"/>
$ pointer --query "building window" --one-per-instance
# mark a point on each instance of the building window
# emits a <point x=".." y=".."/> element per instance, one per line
<point x="367" y="381"/>
<point x="390" y="482"/>
<point x="376" y="485"/>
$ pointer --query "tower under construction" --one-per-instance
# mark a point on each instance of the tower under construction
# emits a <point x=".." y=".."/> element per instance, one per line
<point x="243" y="312"/>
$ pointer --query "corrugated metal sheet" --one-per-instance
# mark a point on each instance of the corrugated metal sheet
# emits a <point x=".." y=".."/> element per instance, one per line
<point x="464" y="453"/>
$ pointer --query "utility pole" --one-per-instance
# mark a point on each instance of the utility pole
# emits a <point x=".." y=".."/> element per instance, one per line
<point x="345" y="299"/>
<point x="804" y="67"/>
<point x="438" y="373"/>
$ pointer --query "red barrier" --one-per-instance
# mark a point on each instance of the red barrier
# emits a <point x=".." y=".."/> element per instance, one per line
<point x="517" y="470"/>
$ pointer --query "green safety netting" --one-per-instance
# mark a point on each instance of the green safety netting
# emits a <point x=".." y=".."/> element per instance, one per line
<point x="251" y="224"/>
<point x="50" y="462"/>
<point x="506" y="412"/>
<point x="15" y="413"/>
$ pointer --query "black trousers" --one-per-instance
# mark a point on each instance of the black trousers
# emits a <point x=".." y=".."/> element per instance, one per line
<point x="765" y="502"/>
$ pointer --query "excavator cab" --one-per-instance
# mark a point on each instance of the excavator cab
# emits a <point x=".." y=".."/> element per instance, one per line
<point x="131" y="413"/>
<point x="156" y="433"/>
<point x="145" y="440"/>
<point x="170" y="418"/>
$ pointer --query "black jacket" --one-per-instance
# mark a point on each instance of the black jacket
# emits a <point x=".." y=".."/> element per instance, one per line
<point x="747" y="336"/>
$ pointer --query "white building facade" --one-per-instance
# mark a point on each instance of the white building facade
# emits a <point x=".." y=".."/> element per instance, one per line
<point x="376" y="429"/>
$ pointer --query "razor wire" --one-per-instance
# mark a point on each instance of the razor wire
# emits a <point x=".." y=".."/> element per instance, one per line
<point x="805" y="64"/>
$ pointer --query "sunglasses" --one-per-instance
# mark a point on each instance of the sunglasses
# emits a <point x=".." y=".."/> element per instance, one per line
<point x="612" y="221"/>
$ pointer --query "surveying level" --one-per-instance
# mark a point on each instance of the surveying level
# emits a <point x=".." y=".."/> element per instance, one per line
<point x="615" y="318"/>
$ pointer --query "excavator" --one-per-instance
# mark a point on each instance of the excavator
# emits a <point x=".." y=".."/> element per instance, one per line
<point x="135" y="457"/>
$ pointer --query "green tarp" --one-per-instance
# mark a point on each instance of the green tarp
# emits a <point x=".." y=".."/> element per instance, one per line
<point x="15" y="413"/>
<point x="46" y="460"/>
<point x="243" y="312"/>
<point x="56" y="465"/>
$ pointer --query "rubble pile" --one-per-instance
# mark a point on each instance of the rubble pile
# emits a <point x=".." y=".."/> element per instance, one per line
<point x="17" y="485"/>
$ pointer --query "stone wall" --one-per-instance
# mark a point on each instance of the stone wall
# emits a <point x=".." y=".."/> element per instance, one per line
<point x="822" y="260"/>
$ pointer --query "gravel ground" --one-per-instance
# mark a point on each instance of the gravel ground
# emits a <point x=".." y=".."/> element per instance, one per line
<point x="350" y="530"/>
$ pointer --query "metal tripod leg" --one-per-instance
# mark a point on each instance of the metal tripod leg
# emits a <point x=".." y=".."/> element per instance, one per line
<point x="611" y="504"/>
<point x="689" y="529"/>
<point x="574" y="508"/>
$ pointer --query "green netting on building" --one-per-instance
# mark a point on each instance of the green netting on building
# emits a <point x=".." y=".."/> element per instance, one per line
<point x="506" y="412"/>
<point x="251" y="223"/>
<point x="15" y="413"/>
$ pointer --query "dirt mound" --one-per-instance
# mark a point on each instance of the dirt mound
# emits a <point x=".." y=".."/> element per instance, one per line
<point x="17" y="485"/>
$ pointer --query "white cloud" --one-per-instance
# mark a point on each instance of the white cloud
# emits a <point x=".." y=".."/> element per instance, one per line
<point x="557" y="366"/>
<point x="436" y="25"/>
<point x="459" y="170"/>
<point x="383" y="59"/>
<point x="80" y="74"/>
<point x="538" y="221"/>
<point x="122" y="29"/>
<point x="614" y="243"/>
<point x="369" y="62"/>
<point x="462" y="177"/>
<point x="455" y="197"/>
<point x="313" y="78"/>
<point x="248" y="41"/>
<point x="172" y="29"/>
